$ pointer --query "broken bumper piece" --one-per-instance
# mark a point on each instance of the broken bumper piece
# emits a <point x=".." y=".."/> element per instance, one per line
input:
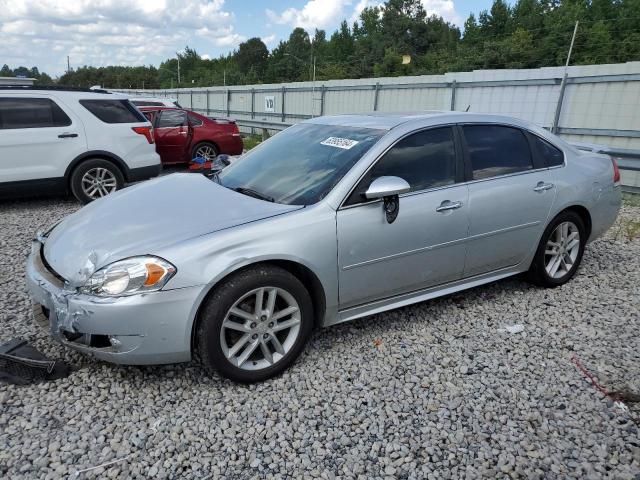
<point x="144" y="329"/>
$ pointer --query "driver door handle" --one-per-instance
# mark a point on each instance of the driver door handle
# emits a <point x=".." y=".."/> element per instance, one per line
<point x="541" y="187"/>
<point x="448" y="205"/>
<point x="68" y="135"/>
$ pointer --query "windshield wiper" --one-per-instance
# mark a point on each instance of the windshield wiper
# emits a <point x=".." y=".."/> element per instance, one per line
<point x="253" y="193"/>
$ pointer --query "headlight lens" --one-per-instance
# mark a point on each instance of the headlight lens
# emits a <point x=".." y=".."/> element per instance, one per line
<point x="130" y="276"/>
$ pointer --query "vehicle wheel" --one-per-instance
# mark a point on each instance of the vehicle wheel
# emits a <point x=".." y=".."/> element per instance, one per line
<point x="206" y="150"/>
<point x="255" y="325"/>
<point x="94" y="179"/>
<point x="560" y="251"/>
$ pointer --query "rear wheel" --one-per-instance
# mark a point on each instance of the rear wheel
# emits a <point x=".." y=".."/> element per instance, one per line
<point x="95" y="178"/>
<point x="255" y="325"/>
<point x="560" y="251"/>
<point x="205" y="150"/>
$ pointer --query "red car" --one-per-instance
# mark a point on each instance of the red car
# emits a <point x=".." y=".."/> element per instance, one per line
<point x="182" y="135"/>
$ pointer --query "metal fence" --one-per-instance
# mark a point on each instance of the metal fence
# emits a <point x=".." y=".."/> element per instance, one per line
<point x="595" y="103"/>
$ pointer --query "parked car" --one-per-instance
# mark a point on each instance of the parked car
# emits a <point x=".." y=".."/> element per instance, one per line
<point x="155" y="102"/>
<point x="55" y="140"/>
<point x="182" y="135"/>
<point x="333" y="219"/>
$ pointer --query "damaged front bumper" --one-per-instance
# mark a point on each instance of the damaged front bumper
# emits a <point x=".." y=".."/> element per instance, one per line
<point x="149" y="328"/>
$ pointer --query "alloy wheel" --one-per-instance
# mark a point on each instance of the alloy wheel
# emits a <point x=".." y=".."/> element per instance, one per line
<point x="207" y="152"/>
<point x="98" y="182"/>
<point x="561" y="250"/>
<point x="260" y="328"/>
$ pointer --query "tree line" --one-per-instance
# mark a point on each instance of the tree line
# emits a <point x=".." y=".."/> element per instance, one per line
<point x="399" y="38"/>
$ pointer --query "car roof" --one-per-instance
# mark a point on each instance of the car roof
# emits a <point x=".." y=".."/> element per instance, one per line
<point x="387" y="121"/>
<point x="63" y="93"/>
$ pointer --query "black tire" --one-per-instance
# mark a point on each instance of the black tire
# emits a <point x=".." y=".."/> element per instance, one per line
<point x="92" y="164"/>
<point x="215" y="150"/>
<point x="537" y="273"/>
<point x="216" y="306"/>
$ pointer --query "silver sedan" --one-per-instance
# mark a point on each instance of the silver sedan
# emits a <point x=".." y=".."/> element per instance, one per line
<point x="332" y="219"/>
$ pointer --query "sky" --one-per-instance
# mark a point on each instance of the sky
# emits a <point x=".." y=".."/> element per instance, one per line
<point x="145" y="32"/>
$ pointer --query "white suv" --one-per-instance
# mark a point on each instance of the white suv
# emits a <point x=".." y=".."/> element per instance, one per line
<point x="56" y="140"/>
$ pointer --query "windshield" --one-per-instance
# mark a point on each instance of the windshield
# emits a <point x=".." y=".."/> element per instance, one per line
<point x="300" y="165"/>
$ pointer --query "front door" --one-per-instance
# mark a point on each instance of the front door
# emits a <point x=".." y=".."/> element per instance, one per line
<point x="173" y="136"/>
<point x="510" y="197"/>
<point x="425" y="245"/>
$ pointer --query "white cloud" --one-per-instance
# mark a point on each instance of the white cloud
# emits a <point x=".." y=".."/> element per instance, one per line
<point x="107" y="32"/>
<point x="442" y="8"/>
<point x="269" y="40"/>
<point x="314" y="14"/>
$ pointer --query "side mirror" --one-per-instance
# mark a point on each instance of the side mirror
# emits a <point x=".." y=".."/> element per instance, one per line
<point x="388" y="188"/>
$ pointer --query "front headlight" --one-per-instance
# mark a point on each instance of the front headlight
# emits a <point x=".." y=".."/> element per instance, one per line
<point x="130" y="276"/>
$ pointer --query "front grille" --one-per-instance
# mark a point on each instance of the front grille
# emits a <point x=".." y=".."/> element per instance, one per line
<point x="48" y="267"/>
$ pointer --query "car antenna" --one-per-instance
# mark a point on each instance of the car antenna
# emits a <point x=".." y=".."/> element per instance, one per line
<point x="468" y="107"/>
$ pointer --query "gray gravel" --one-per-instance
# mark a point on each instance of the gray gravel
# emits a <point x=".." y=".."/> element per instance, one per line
<point x="436" y="390"/>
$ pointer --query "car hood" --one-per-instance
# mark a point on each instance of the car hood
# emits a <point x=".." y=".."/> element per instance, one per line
<point x="140" y="219"/>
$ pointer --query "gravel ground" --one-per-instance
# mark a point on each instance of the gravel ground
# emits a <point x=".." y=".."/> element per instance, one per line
<point x="435" y="390"/>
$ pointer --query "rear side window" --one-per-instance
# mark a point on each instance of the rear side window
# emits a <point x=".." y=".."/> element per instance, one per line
<point x="113" y="111"/>
<point x="172" y="119"/>
<point x="195" y="121"/>
<point x="31" y="113"/>
<point x="496" y="150"/>
<point x="551" y="156"/>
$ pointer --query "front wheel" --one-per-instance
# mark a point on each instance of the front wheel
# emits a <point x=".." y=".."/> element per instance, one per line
<point x="560" y="251"/>
<point x="255" y="325"/>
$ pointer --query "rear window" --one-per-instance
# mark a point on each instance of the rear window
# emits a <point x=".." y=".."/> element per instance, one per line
<point x="195" y="121"/>
<point x="114" y="111"/>
<point x="31" y="113"/>
<point x="146" y="103"/>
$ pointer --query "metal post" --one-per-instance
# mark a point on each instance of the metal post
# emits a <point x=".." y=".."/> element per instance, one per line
<point x="453" y="95"/>
<point x="253" y="100"/>
<point x="284" y="90"/>
<point x="191" y="100"/>
<point x="375" y="96"/>
<point x="207" y="94"/>
<point x="556" y="117"/>
<point x="323" y="89"/>
<point x="228" y="102"/>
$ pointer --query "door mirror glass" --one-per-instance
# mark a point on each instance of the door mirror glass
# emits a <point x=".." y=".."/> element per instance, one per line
<point x="386" y="187"/>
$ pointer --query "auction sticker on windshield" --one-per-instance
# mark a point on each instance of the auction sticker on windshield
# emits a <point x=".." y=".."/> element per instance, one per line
<point x="344" y="143"/>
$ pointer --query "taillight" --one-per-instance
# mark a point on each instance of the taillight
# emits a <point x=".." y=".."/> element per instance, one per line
<point x="146" y="131"/>
<point x="616" y="171"/>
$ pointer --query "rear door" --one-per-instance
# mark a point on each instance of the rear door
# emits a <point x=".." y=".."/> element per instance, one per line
<point x="39" y="136"/>
<point x="510" y="195"/>
<point x="425" y="246"/>
<point x="173" y="136"/>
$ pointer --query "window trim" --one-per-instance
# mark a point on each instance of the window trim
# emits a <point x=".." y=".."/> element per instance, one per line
<point x="459" y="167"/>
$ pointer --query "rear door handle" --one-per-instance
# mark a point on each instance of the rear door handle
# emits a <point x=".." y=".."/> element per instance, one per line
<point x="67" y="135"/>
<point x="541" y="187"/>
<point x="448" y="205"/>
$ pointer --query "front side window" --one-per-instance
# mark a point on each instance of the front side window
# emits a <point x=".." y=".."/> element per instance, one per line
<point x="31" y="113"/>
<point x="114" y="111"/>
<point x="172" y="119"/>
<point x="552" y="156"/>
<point x="425" y="160"/>
<point x="302" y="164"/>
<point x="496" y="150"/>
